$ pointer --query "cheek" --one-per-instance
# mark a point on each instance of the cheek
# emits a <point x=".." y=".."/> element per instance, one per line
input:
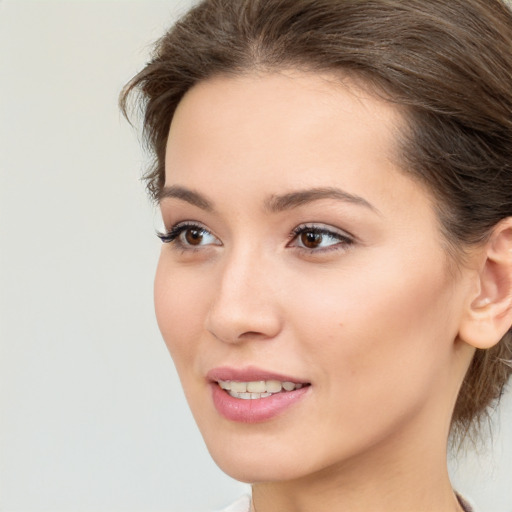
<point x="379" y="346"/>
<point x="372" y="329"/>
<point x="178" y="305"/>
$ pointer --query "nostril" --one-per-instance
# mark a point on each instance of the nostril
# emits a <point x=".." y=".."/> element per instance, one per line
<point x="252" y="334"/>
<point x="227" y="337"/>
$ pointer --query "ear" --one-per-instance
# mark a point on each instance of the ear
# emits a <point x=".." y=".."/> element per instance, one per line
<point x="488" y="315"/>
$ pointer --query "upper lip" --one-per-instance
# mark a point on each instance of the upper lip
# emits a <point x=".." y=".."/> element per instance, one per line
<point x="249" y="374"/>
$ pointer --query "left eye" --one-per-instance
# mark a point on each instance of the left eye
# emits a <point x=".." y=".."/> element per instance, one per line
<point x="189" y="235"/>
<point x="316" y="237"/>
<point x="196" y="236"/>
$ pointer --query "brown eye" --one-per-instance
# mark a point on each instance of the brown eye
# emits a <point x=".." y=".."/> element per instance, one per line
<point x="193" y="236"/>
<point x="310" y="239"/>
<point x="189" y="235"/>
<point x="319" y="238"/>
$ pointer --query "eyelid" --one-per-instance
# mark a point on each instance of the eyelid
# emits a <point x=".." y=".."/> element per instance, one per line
<point x="324" y="228"/>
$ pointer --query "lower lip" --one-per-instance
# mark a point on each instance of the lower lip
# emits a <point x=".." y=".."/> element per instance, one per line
<point x="257" y="409"/>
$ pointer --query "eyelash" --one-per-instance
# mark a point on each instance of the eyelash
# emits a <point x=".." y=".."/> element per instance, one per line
<point x="173" y="234"/>
<point x="344" y="239"/>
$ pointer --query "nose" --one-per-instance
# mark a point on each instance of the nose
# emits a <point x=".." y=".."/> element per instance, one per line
<point x="245" y="303"/>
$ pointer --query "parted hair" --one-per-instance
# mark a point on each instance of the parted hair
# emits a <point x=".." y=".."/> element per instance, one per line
<point x="448" y="64"/>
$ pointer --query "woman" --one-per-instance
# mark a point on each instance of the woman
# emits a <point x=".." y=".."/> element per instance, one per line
<point x="335" y="283"/>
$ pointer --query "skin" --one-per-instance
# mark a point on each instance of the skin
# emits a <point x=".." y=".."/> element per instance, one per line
<point x="372" y="323"/>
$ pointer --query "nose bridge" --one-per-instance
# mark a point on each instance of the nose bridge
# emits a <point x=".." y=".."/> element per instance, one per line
<point x="244" y="304"/>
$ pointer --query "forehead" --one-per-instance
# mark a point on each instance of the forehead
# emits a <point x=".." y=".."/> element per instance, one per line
<point x="274" y="131"/>
<point x="285" y="112"/>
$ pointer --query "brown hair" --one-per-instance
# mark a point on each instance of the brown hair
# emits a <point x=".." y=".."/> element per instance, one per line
<point x="448" y="62"/>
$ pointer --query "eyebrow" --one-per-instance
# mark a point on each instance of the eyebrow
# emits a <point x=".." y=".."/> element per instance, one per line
<point x="185" y="194"/>
<point x="276" y="203"/>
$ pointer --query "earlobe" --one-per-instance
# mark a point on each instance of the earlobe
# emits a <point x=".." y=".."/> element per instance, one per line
<point x="489" y="312"/>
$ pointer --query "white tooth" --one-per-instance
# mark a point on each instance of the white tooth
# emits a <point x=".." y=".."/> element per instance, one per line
<point x="256" y="387"/>
<point x="239" y="387"/>
<point x="288" y="386"/>
<point x="260" y="395"/>
<point x="249" y="396"/>
<point x="225" y="384"/>
<point x="273" y="386"/>
<point x="298" y="386"/>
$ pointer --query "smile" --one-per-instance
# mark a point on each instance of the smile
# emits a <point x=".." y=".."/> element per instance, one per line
<point x="252" y="390"/>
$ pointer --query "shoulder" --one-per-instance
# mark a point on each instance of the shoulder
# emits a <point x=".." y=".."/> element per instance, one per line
<point x="243" y="504"/>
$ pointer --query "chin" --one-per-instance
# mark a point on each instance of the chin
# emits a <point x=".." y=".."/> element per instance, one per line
<point x="258" y="458"/>
<point x="251" y="468"/>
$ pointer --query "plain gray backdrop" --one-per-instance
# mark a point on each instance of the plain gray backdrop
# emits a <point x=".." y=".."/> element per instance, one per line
<point x="92" y="414"/>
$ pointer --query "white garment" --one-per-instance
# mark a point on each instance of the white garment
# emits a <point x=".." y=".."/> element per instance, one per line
<point x="243" y="504"/>
<point x="465" y="503"/>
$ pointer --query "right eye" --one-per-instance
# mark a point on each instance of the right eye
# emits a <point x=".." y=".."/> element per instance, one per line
<point x="187" y="235"/>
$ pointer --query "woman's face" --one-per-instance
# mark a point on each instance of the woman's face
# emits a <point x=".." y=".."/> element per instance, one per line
<point x="299" y="253"/>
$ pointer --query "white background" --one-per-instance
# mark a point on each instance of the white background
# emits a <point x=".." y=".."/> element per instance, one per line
<point x="91" y="413"/>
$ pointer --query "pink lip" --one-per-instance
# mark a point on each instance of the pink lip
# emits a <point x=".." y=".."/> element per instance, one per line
<point x="254" y="410"/>
<point x="249" y="373"/>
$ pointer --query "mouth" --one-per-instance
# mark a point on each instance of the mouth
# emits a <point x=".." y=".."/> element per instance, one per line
<point x="252" y="395"/>
<point x="258" y="389"/>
